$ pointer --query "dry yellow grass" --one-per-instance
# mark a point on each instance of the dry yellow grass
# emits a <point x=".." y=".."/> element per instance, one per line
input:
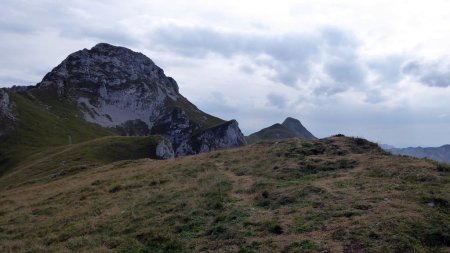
<point x="333" y="195"/>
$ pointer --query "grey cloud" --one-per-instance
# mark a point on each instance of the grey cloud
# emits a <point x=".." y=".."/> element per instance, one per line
<point x="291" y="56"/>
<point x="374" y="97"/>
<point x="436" y="79"/>
<point x="390" y="68"/>
<point x="277" y="100"/>
<point x="198" y="42"/>
<point x="217" y="104"/>
<point x="7" y="81"/>
<point x="412" y="67"/>
<point x="111" y="35"/>
<point x="64" y="18"/>
<point x="345" y="72"/>
<point x="12" y="27"/>
<point x="247" y="69"/>
<point x="329" y="89"/>
<point x="433" y="74"/>
<point x="338" y="38"/>
<point x="24" y="17"/>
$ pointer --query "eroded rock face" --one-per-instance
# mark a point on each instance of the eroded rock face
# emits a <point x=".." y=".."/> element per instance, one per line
<point x="4" y="103"/>
<point x="227" y="135"/>
<point x="135" y="127"/>
<point x="116" y="87"/>
<point x="176" y="126"/>
<point x="188" y="138"/>
<point x="164" y="150"/>
<point x="113" y="85"/>
<point x="7" y="117"/>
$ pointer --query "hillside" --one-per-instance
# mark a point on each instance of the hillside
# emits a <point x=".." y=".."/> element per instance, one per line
<point x="289" y="128"/>
<point x="41" y="122"/>
<point x="271" y="133"/>
<point x="296" y="126"/>
<point x="105" y="91"/>
<point x="337" y="194"/>
<point x="50" y="163"/>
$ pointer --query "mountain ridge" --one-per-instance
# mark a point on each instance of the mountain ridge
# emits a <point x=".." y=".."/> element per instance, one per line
<point x="289" y="128"/>
<point x="439" y="154"/>
<point x="296" y="126"/>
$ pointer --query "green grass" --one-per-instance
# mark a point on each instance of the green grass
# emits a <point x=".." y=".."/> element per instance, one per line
<point x="71" y="159"/>
<point x="43" y="122"/>
<point x="274" y="132"/>
<point x="259" y="198"/>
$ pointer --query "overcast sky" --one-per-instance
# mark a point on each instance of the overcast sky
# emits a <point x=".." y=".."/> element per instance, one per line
<point x="379" y="70"/>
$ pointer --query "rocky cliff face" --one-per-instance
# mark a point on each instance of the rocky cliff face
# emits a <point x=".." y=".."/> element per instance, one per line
<point x="5" y="109"/>
<point x="113" y="85"/>
<point x="223" y="136"/>
<point x="116" y="87"/>
<point x="164" y="150"/>
<point x="6" y="112"/>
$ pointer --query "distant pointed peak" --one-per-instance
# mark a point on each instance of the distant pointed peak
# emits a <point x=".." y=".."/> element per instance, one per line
<point x="290" y="119"/>
<point x="296" y="126"/>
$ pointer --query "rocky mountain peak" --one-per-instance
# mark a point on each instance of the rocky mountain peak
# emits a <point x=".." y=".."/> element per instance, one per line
<point x="116" y="87"/>
<point x="290" y="120"/>
<point x="288" y="129"/>
<point x="106" y="66"/>
<point x="296" y="126"/>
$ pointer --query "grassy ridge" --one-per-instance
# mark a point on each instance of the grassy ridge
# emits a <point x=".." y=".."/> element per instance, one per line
<point x="66" y="160"/>
<point x="43" y="122"/>
<point x="274" y="132"/>
<point x="334" y="195"/>
<point x="46" y="121"/>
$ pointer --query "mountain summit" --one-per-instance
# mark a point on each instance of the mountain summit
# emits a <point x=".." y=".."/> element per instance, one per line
<point x="288" y="129"/>
<point x="116" y="87"/>
<point x="120" y="92"/>
<point x="296" y="126"/>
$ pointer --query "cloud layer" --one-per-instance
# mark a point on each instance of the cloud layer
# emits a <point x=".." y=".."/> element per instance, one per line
<point x="385" y="77"/>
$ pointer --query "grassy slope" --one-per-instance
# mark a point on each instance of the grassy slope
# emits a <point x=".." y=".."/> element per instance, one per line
<point x="332" y="195"/>
<point x="48" y="164"/>
<point x="202" y="119"/>
<point x="44" y="122"/>
<point x="274" y="132"/>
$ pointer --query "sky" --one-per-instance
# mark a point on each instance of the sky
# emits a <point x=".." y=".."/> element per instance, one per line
<point x="374" y="69"/>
